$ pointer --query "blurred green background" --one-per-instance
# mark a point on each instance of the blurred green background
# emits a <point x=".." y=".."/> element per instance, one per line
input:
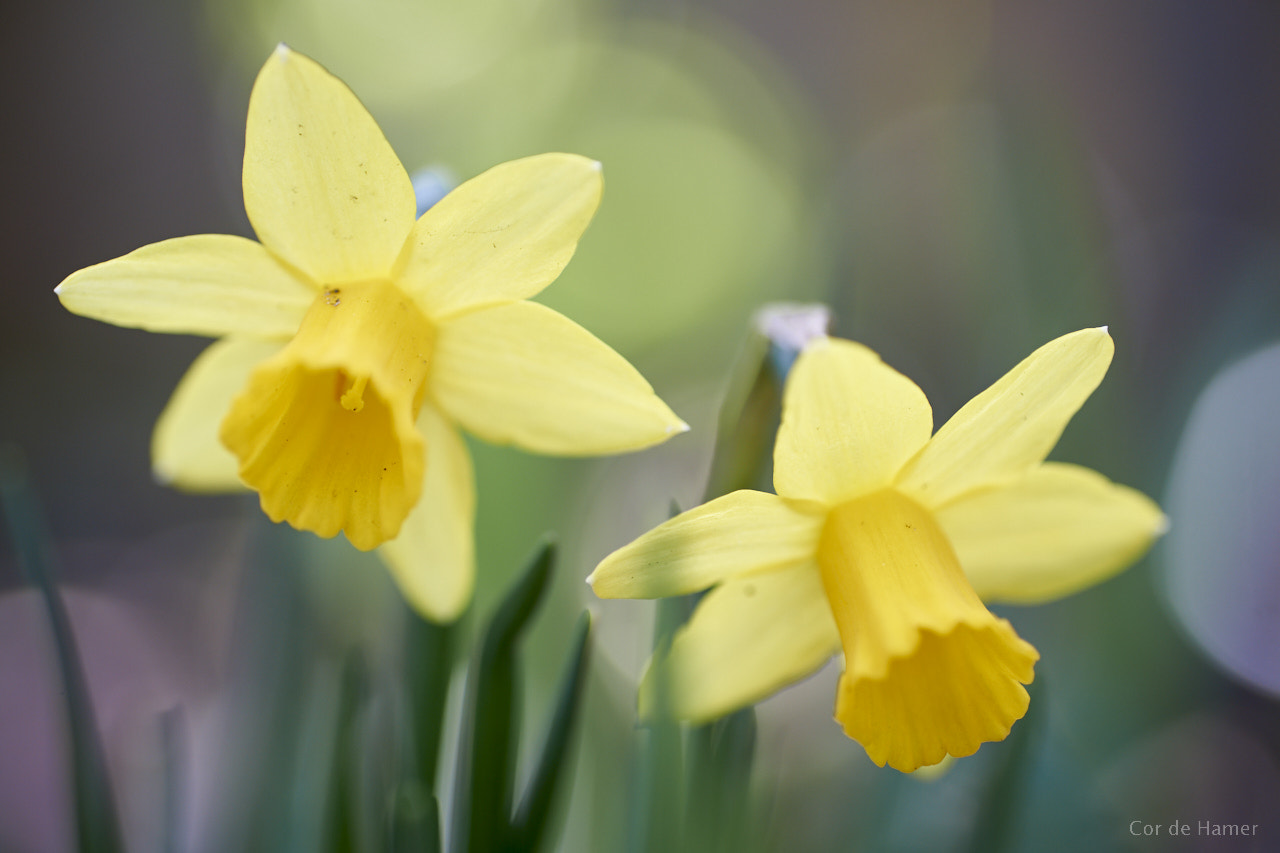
<point x="961" y="181"/>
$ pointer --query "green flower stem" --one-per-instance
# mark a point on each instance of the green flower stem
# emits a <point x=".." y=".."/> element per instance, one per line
<point x="657" y="813"/>
<point x="718" y="756"/>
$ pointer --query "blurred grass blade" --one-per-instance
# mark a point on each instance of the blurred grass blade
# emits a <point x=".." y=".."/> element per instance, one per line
<point x="994" y="829"/>
<point x="171" y="740"/>
<point x="487" y="748"/>
<point x="534" y="814"/>
<point x="733" y="749"/>
<point x="415" y="821"/>
<point x="719" y="757"/>
<point x="428" y="667"/>
<point x="429" y="650"/>
<point x="344" y="797"/>
<point x="96" y="821"/>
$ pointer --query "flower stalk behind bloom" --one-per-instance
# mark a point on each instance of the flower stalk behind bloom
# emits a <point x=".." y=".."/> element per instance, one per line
<point x="882" y="541"/>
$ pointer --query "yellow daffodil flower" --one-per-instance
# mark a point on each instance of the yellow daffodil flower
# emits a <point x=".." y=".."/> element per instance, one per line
<point x="884" y="542"/>
<point x="354" y="340"/>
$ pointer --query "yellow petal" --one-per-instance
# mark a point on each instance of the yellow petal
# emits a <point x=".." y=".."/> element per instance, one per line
<point x="748" y="639"/>
<point x="324" y="431"/>
<point x="929" y="671"/>
<point x="1058" y="530"/>
<point x="433" y="558"/>
<point x="501" y="236"/>
<point x="185" y="450"/>
<point x="523" y="374"/>
<point x="739" y="534"/>
<point x="1007" y="429"/>
<point x="209" y="284"/>
<point x="322" y="186"/>
<point x="849" y="422"/>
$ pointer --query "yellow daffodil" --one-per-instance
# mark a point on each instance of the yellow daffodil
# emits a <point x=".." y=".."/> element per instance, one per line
<point x="883" y="541"/>
<point x="354" y="340"/>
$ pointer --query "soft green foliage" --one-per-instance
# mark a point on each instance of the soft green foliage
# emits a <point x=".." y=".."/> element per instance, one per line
<point x="484" y="819"/>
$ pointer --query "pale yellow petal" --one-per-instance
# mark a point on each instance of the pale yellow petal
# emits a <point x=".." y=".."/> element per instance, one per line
<point x="208" y="284"/>
<point x="322" y="186"/>
<point x="849" y="422"/>
<point x="1003" y="432"/>
<point x="185" y="450"/>
<point x="739" y="534"/>
<point x="748" y="639"/>
<point x="501" y="236"/>
<point x="523" y="374"/>
<point x="433" y="558"/>
<point x="1057" y="530"/>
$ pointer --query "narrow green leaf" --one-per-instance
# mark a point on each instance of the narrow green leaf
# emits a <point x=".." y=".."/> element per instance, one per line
<point x="487" y="748"/>
<point x="533" y="816"/>
<point x="96" y="820"/>
<point x="429" y="651"/>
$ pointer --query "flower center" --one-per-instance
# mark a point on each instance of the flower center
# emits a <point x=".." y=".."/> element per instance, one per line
<point x="324" y="430"/>
<point x="929" y="671"/>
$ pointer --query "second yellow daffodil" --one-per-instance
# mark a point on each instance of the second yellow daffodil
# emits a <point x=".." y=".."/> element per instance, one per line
<point x="354" y="340"/>
<point x="883" y="542"/>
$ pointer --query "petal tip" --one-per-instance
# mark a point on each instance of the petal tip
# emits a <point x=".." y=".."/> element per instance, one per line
<point x="1162" y="526"/>
<point x="282" y="51"/>
<point x="678" y="427"/>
